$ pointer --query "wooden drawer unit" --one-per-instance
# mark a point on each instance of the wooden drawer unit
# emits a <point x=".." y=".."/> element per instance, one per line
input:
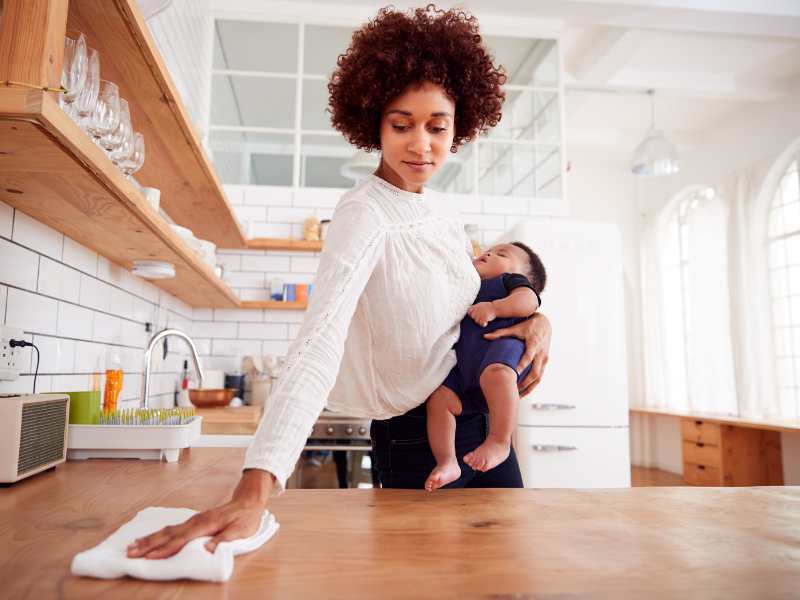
<point x="698" y="453"/>
<point x="703" y="432"/>
<point x="726" y="455"/>
<point x="702" y="475"/>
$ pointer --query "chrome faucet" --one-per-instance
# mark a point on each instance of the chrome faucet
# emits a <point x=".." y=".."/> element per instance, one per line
<point x="156" y="338"/>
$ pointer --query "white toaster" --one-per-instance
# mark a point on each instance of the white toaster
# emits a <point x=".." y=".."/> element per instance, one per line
<point x="33" y="434"/>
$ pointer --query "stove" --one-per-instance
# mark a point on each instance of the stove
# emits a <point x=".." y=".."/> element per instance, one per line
<point x="334" y="431"/>
<point x="349" y="441"/>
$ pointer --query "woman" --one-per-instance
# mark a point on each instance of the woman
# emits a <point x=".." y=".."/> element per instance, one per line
<point x="394" y="280"/>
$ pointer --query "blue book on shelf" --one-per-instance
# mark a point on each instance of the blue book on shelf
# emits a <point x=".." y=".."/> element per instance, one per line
<point x="292" y="293"/>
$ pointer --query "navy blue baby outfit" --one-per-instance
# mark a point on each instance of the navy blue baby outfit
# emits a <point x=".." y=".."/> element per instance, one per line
<point x="474" y="353"/>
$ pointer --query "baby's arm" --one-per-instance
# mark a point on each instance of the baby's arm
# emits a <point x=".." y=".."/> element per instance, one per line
<point x="521" y="302"/>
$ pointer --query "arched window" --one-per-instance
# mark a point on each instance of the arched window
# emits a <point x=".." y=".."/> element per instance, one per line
<point x="783" y="241"/>
<point x="676" y="257"/>
<point x="686" y="305"/>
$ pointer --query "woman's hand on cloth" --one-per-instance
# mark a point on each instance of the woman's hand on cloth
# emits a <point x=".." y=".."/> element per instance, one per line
<point x="535" y="332"/>
<point x="236" y="519"/>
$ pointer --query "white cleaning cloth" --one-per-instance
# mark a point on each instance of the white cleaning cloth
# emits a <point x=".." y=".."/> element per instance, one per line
<point x="109" y="560"/>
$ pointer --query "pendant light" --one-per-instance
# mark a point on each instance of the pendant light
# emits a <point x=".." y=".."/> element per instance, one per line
<point x="655" y="155"/>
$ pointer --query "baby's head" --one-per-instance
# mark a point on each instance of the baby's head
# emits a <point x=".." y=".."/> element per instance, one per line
<point x="514" y="257"/>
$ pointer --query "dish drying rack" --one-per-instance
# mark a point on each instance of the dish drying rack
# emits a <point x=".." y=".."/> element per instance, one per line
<point x="143" y="433"/>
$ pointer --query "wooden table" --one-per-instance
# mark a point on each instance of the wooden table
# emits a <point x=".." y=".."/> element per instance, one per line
<point x="627" y="543"/>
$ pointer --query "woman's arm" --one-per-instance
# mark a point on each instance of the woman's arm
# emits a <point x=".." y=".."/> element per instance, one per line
<point x="535" y="332"/>
<point x="352" y="248"/>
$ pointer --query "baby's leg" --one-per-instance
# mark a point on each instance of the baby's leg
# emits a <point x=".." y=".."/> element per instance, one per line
<point x="499" y="387"/>
<point x="443" y="407"/>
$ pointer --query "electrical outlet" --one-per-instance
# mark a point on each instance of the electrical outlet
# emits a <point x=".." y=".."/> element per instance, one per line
<point x="9" y="367"/>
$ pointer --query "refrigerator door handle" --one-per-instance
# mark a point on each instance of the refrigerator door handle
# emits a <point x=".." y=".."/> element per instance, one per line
<point x="552" y="448"/>
<point x="551" y="406"/>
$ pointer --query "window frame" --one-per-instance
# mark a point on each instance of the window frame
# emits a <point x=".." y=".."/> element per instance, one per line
<point x="298" y="132"/>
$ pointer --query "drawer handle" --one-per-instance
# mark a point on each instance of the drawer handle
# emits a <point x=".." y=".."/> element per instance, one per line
<point x="702" y="467"/>
<point x="700" y="444"/>
<point x="698" y="422"/>
<point x="551" y="406"/>
<point x="552" y="448"/>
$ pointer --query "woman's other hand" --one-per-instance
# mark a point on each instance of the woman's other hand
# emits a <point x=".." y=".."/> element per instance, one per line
<point x="535" y="332"/>
<point x="236" y="519"/>
<point x="482" y="313"/>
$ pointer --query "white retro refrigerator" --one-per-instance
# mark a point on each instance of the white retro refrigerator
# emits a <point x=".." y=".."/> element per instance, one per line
<point x="573" y="428"/>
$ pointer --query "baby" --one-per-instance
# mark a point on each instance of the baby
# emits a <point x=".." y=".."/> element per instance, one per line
<point x="485" y="378"/>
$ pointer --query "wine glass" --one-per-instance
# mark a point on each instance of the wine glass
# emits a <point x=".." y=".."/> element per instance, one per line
<point x="114" y="138"/>
<point x="84" y="103"/>
<point x="135" y="160"/>
<point x="123" y="148"/>
<point x="73" y="69"/>
<point x="106" y="112"/>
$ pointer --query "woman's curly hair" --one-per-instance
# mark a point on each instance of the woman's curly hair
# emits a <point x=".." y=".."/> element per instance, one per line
<point x="396" y="50"/>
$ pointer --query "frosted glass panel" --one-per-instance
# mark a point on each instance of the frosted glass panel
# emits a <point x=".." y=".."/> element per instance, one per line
<point x="252" y="158"/>
<point x="323" y="46"/>
<point x="252" y="101"/>
<point x="256" y="46"/>
<point x="321" y="160"/>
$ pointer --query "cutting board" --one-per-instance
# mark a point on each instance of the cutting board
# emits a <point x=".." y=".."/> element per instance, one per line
<point x="230" y="419"/>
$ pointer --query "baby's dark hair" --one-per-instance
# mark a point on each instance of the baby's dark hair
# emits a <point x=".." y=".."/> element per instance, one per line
<point x="536" y="272"/>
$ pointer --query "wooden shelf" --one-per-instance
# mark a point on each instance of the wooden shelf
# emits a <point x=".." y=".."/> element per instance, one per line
<point x="283" y="244"/>
<point x="50" y="170"/>
<point x="175" y="161"/>
<point x="277" y="304"/>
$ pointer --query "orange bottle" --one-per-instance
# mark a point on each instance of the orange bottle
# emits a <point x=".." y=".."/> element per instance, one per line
<point x="113" y="387"/>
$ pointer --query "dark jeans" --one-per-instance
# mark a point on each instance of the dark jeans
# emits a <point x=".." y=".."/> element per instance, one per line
<point x="404" y="459"/>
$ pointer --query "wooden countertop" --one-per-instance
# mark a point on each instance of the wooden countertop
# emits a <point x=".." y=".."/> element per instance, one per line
<point x="626" y="543"/>
<point x="789" y="425"/>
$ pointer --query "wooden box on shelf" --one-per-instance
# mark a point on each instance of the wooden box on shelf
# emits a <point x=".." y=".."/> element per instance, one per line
<point x="717" y="454"/>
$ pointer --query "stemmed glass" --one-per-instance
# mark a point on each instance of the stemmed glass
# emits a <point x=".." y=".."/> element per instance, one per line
<point x="106" y="112"/>
<point x="84" y="103"/>
<point x="124" y="148"/>
<point x="135" y="160"/>
<point x="115" y="138"/>
<point x="73" y="69"/>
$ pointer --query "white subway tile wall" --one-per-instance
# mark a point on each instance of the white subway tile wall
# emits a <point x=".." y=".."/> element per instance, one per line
<point x="82" y="312"/>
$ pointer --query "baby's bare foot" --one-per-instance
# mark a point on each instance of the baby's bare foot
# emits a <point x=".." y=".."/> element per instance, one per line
<point x="442" y="475"/>
<point x="488" y="455"/>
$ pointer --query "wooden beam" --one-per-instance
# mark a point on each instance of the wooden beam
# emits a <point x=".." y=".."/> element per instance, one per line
<point x="32" y="41"/>
<point x="609" y="51"/>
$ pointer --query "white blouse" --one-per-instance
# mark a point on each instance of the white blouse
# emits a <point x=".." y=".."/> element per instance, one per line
<point x="395" y="279"/>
